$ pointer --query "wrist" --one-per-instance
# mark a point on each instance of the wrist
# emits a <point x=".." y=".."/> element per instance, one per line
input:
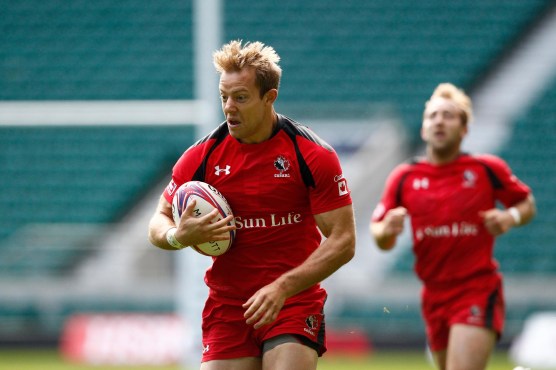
<point x="171" y="239"/>
<point x="516" y="216"/>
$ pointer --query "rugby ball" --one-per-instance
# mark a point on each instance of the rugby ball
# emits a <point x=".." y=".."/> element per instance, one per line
<point x="207" y="198"/>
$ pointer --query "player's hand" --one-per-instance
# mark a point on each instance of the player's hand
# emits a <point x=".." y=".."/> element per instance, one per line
<point x="497" y="221"/>
<point x="264" y="306"/>
<point x="196" y="230"/>
<point x="394" y="221"/>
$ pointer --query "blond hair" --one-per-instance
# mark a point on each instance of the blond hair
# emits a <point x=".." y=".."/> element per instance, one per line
<point x="458" y="97"/>
<point x="234" y="57"/>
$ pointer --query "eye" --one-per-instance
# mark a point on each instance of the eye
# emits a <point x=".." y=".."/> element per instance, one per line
<point x="223" y="98"/>
<point x="241" y="98"/>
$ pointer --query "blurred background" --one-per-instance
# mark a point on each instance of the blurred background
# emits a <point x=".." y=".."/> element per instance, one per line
<point x="99" y="98"/>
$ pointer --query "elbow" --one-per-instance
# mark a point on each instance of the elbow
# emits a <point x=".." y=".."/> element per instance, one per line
<point x="151" y="238"/>
<point x="349" y="249"/>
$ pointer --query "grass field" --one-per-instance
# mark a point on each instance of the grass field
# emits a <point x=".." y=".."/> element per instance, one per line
<point x="383" y="360"/>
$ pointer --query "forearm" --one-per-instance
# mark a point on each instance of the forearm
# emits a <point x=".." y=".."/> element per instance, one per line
<point x="159" y="225"/>
<point x="527" y="210"/>
<point x="323" y="262"/>
<point x="157" y="233"/>
<point x="384" y="240"/>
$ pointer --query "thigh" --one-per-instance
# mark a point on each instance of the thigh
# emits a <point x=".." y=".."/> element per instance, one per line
<point x="303" y="318"/>
<point x="469" y="347"/>
<point x="290" y="356"/>
<point x="475" y="303"/>
<point x="225" y="333"/>
<point x="439" y="358"/>
<point x="245" y="363"/>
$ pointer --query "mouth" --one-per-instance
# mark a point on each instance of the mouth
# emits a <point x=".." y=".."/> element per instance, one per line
<point x="439" y="134"/>
<point x="233" y="122"/>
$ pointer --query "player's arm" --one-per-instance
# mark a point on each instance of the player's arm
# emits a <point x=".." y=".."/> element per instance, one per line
<point x="386" y="231"/>
<point x="498" y="221"/>
<point x="190" y="231"/>
<point x="338" y="226"/>
<point x="161" y="222"/>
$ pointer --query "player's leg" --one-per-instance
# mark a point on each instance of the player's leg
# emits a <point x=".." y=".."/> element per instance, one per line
<point x="469" y="347"/>
<point x="228" y="342"/>
<point x="244" y="363"/>
<point x="289" y="352"/>
<point x="439" y="358"/>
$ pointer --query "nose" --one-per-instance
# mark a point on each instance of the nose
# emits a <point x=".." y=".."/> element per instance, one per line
<point x="437" y="119"/>
<point x="229" y="106"/>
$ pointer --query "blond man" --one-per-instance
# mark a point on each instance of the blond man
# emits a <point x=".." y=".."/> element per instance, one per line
<point x="450" y="197"/>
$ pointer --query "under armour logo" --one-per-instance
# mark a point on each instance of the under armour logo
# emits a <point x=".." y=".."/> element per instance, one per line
<point x="421" y="183"/>
<point x="206" y="348"/>
<point x="226" y="170"/>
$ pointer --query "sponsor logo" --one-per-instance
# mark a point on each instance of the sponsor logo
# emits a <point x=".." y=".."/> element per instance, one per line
<point x="469" y="179"/>
<point x="272" y="220"/>
<point x="282" y="164"/>
<point x="218" y="170"/>
<point x="445" y="231"/>
<point x="206" y="348"/>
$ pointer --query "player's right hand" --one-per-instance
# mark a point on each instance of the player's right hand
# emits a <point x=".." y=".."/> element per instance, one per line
<point x="394" y="221"/>
<point x="197" y="230"/>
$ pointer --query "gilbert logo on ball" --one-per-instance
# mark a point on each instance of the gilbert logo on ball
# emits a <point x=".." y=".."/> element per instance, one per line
<point x="207" y="198"/>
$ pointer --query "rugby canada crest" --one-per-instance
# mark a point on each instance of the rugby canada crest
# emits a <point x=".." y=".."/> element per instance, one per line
<point x="312" y="322"/>
<point x="282" y="164"/>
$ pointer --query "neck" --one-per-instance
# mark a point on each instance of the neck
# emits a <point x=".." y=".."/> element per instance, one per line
<point x="442" y="157"/>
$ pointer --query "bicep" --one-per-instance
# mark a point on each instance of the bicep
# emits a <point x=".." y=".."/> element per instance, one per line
<point x="338" y="221"/>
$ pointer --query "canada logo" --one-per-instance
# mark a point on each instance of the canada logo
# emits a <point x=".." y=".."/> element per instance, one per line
<point x="282" y="164"/>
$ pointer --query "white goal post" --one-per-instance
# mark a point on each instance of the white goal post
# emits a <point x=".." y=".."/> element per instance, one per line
<point x="102" y="112"/>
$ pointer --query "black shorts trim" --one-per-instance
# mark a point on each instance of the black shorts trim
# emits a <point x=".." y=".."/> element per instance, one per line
<point x="273" y="342"/>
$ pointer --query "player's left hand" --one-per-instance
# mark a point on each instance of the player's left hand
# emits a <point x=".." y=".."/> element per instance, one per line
<point x="264" y="306"/>
<point x="497" y="221"/>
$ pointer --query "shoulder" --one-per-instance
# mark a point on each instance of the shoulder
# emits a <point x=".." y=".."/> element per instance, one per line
<point x="490" y="162"/>
<point x="208" y="143"/>
<point x="488" y="159"/>
<point x="216" y="135"/>
<point x="408" y="166"/>
<point x="301" y="133"/>
<point x="495" y="168"/>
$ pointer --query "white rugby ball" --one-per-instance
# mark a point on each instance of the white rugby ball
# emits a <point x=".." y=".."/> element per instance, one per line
<point x="207" y="198"/>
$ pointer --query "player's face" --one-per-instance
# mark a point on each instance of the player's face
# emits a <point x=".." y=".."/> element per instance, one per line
<point x="443" y="129"/>
<point x="250" y="117"/>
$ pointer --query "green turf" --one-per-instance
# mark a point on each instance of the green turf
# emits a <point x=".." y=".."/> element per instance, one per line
<point x="383" y="360"/>
<point x="400" y="360"/>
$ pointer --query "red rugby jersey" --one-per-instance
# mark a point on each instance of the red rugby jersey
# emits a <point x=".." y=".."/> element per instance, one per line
<point x="274" y="188"/>
<point x="450" y="241"/>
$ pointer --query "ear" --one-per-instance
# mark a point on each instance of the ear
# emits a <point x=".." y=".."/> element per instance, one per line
<point x="465" y="130"/>
<point x="270" y="96"/>
<point x="423" y="136"/>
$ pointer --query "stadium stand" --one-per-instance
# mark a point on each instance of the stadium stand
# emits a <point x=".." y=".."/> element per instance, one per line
<point x="74" y="175"/>
<point x="55" y="50"/>
<point x="380" y="52"/>
<point x="391" y="52"/>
